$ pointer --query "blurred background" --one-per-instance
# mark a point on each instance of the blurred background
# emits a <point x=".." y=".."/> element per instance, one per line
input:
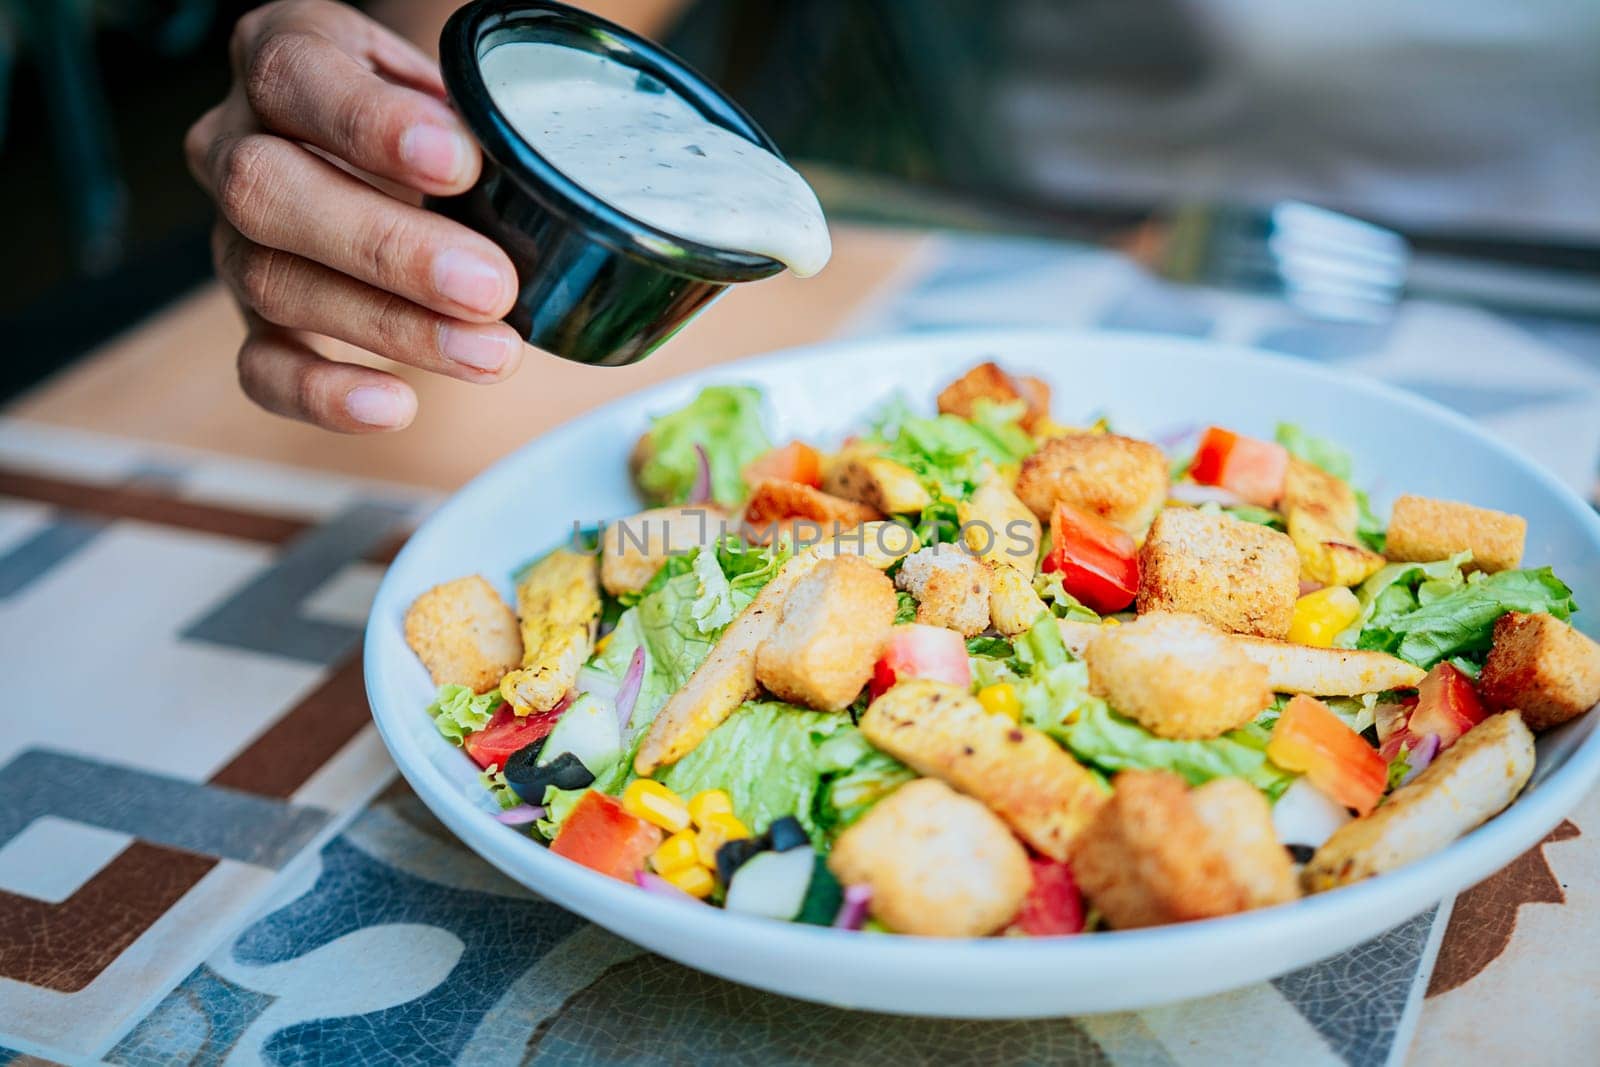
<point x="1471" y="127"/>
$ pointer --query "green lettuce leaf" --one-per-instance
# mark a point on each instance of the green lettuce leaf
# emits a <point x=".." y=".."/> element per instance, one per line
<point x="1460" y="622"/>
<point x="949" y="453"/>
<point x="1049" y="585"/>
<point x="1110" y="742"/>
<point x="770" y="757"/>
<point x="905" y="607"/>
<point x="1398" y="588"/>
<point x="457" y="711"/>
<point x="499" y="789"/>
<point x="724" y="420"/>
<point x="712" y="607"/>
<point x="852" y="793"/>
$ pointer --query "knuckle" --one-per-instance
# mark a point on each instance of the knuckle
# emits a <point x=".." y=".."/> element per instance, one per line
<point x="394" y="325"/>
<point x="384" y="251"/>
<point x="275" y="63"/>
<point x="242" y="176"/>
<point x="266" y="278"/>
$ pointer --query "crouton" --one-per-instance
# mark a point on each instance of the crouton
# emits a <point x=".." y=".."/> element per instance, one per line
<point x="1240" y="576"/>
<point x="1239" y="820"/>
<point x="1118" y="478"/>
<point x="799" y="512"/>
<point x="942" y="731"/>
<point x="727" y="676"/>
<point x="1470" y="782"/>
<point x="856" y="473"/>
<point x="999" y="528"/>
<point x="939" y="864"/>
<point x="1013" y="605"/>
<point x="830" y="633"/>
<point x="1294" y="668"/>
<point x="1422" y="529"/>
<point x="1543" y="667"/>
<point x="558" y="601"/>
<point x="464" y="634"/>
<point x="987" y="381"/>
<point x="632" y="550"/>
<point x="951" y="588"/>
<point x="1149" y="857"/>
<point x="1176" y="676"/>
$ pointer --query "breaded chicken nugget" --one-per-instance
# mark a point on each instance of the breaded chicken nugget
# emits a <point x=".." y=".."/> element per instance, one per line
<point x="951" y="588"/>
<point x="830" y="634"/>
<point x="1176" y="676"/>
<point x="1120" y="479"/>
<point x="464" y="634"/>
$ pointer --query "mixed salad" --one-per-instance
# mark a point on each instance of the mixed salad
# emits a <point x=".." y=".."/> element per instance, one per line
<point x="976" y="672"/>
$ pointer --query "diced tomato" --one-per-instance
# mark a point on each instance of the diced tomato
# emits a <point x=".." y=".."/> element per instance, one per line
<point x="506" y="733"/>
<point x="602" y="836"/>
<point x="793" y="462"/>
<point x="1447" y="705"/>
<point x="918" y="651"/>
<point x="1312" y="739"/>
<point x="1253" y="468"/>
<point x="1054" y="905"/>
<point x="1098" y="562"/>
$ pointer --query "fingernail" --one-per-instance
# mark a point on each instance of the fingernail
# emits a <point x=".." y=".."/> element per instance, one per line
<point x="434" y="152"/>
<point x="375" y="405"/>
<point x="468" y="280"/>
<point x="475" y="348"/>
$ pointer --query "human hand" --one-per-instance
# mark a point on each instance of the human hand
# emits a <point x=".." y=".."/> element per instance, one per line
<point x="316" y="157"/>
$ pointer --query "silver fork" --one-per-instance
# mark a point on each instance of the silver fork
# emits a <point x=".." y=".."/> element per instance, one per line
<point x="1325" y="263"/>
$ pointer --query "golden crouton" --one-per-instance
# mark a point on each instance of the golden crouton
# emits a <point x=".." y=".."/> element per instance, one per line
<point x="1422" y="529"/>
<point x="1013" y="605"/>
<point x="1543" y="667"/>
<point x="1240" y="576"/>
<point x="727" y="677"/>
<point x="855" y="473"/>
<point x="806" y="515"/>
<point x="558" y="601"/>
<point x="987" y="381"/>
<point x="464" y="634"/>
<point x="942" y="731"/>
<point x="1471" y="781"/>
<point x="1150" y="856"/>
<point x="632" y="550"/>
<point x="999" y="528"/>
<point x="829" y="635"/>
<point x="1239" y="820"/>
<point x="1118" y="478"/>
<point x="1293" y="668"/>
<point x="1176" y="676"/>
<point x="939" y="864"/>
<point x="951" y="588"/>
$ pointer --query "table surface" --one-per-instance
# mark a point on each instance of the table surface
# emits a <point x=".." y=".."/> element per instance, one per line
<point x="167" y="390"/>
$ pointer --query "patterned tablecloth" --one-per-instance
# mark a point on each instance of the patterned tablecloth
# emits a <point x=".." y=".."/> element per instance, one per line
<point x="205" y="856"/>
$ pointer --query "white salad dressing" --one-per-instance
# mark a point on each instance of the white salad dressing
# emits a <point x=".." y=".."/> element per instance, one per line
<point x="647" y="152"/>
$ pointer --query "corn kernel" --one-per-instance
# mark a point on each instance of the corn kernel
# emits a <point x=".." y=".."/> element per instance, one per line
<point x="675" y="853"/>
<point x="1110" y="620"/>
<point x="717" y="830"/>
<point x="1321" y="616"/>
<point x="709" y="802"/>
<point x="693" y="879"/>
<point x="654" y="803"/>
<point x="1001" y="699"/>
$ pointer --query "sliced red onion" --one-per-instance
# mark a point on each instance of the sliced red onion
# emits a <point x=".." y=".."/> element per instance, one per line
<point x="700" y="492"/>
<point x="1197" y="494"/>
<point x="520" y="815"/>
<point x="628" y="693"/>
<point x="1308" y="585"/>
<point x="853" y="912"/>
<point x="654" y="883"/>
<point x="1417" y="759"/>
<point x="1170" y="439"/>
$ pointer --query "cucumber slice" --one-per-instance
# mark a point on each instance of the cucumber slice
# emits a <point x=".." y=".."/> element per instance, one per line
<point x="589" y="730"/>
<point x="823" y="896"/>
<point x="772" y="884"/>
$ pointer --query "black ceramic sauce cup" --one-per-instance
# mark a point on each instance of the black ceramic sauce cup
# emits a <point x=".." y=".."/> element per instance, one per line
<point x="595" y="285"/>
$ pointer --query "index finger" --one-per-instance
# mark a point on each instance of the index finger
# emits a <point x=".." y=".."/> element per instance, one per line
<point x="303" y="86"/>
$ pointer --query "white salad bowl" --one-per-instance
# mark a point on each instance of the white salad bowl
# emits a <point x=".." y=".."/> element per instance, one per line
<point x="1148" y="385"/>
